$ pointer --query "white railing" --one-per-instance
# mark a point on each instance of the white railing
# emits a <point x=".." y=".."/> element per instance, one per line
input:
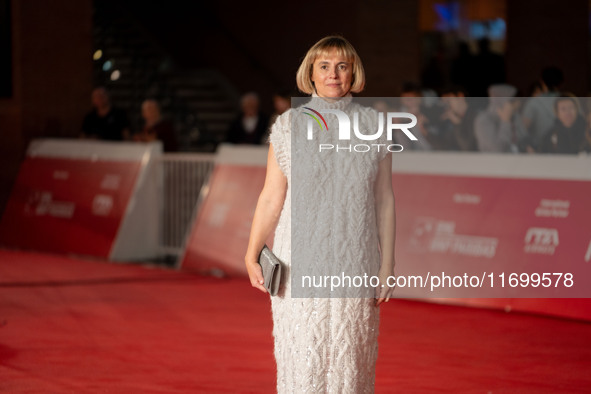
<point x="183" y="177"/>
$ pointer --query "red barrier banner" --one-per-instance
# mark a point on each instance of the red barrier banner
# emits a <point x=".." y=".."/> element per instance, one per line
<point x="518" y="243"/>
<point x="474" y="237"/>
<point x="68" y="205"/>
<point x="219" y="237"/>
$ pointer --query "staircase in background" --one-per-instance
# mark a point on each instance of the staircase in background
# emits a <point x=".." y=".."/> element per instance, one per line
<point x="200" y="102"/>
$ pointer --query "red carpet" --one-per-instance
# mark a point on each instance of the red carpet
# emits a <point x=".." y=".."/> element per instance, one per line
<point x="76" y="326"/>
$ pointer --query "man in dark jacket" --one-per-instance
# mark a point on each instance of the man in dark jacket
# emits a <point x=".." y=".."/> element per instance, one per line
<point x="251" y="125"/>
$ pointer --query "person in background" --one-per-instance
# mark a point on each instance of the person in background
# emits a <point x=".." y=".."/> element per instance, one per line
<point x="156" y="128"/>
<point x="536" y="89"/>
<point x="568" y="133"/>
<point x="538" y="112"/>
<point x="281" y="103"/>
<point x="105" y="121"/>
<point x="411" y="102"/>
<point x="494" y="128"/>
<point x="456" y="123"/>
<point x="251" y="125"/>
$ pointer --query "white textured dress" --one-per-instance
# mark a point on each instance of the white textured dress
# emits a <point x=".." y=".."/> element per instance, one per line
<point x="327" y="345"/>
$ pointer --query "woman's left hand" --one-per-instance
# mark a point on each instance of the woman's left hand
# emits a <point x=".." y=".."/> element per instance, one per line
<point x="384" y="292"/>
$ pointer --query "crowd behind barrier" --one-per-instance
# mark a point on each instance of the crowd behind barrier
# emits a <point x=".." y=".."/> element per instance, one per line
<point x="500" y="123"/>
<point x="547" y="121"/>
<point x="542" y="124"/>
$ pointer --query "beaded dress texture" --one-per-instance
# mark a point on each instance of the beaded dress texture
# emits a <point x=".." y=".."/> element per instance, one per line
<point x="327" y="345"/>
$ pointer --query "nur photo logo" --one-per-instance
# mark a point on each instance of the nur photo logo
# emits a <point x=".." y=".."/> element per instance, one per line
<point x="316" y="119"/>
<point x="390" y="121"/>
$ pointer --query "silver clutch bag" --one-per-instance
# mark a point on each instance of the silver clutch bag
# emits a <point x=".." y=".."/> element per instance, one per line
<point x="271" y="267"/>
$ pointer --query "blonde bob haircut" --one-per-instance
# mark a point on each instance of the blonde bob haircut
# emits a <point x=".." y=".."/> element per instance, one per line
<point x="323" y="48"/>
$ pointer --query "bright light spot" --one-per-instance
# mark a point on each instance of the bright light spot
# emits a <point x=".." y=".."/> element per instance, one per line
<point x="115" y="75"/>
<point x="107" y="65"/>
<point x="97" y="54"/>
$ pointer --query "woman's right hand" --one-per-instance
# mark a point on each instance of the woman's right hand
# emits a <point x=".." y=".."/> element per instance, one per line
<point x="255" y="273"/>
<point x="384" y="292"/>
<point x="266" y="216"/>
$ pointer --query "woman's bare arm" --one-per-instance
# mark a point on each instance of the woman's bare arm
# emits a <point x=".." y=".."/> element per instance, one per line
<point x="386" y="222"/>
<point x="265" y="218"/>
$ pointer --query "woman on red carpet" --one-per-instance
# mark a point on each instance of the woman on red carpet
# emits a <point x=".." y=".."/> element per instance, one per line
<point x="345" y="218"/>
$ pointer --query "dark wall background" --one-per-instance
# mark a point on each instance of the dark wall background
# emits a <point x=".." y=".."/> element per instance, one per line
<point x="259" y="46"/>
<point x="548" y="32"/>
<point x="5" y="50"/>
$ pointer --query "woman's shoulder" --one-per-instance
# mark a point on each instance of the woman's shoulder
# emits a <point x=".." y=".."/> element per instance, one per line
<point x="283" y="121"/>
<point x="280" y="129"/>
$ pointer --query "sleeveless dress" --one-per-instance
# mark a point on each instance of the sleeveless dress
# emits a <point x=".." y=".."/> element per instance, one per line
<point x="327" y="345"/>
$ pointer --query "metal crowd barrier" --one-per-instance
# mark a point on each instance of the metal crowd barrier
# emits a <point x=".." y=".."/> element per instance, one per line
<point x="184" y="177"/>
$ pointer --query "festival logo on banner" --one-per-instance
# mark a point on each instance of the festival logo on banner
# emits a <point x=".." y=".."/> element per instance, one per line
<point x="466" y="198"/>
<point x="439" y="236"/>
<point x="102" y="205"/>
<point x="41" y="203"/>
<point x="553" y="208"/>
<point x="541" y="240"/>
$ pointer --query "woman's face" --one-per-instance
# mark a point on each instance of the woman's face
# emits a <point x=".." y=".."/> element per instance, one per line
<point x="566" y="112"/>
<point x="332" y="75"/>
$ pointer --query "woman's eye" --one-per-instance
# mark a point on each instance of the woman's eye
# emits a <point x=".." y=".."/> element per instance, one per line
<point x="323" y="67"/>
<point x="342" y="67"/>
